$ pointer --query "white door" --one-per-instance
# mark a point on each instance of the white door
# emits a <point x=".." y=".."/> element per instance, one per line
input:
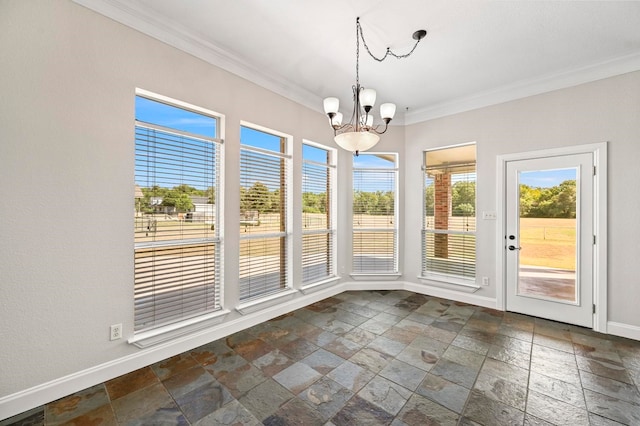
<point x="549" y="239"/>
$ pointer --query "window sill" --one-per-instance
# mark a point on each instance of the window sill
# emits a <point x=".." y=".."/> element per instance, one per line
<point x="265" y="302"/>
<point x="451" y="283"/>
<point x="376" y="277"/>
<point x="311" y="288"/>
<point x="145" y="339"/>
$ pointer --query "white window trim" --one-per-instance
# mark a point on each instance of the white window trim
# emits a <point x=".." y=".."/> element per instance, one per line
<point x="168" y="332"/>
<point x="260" y="302"/>
<point x="390" y="275"/>
<point x="319" y="285"/>
<point x="438" y="279"/>
<point x="449" y="281"/>
<point x="333" y="166"/>
<point x="382" y="276"/>
<point x="146" y="338"/>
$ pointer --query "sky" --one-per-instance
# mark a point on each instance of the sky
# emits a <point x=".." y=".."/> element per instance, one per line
<point x="365" y="160"/>
<point x="546" y="178"/>
<point x="154" y="112"/>
<point x="176" y="118"/>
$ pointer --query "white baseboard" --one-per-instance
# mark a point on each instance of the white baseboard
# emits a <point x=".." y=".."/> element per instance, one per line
<point x="44" y="393"/>
<point x="36" y="396"/>
<point x="623" y="330"/>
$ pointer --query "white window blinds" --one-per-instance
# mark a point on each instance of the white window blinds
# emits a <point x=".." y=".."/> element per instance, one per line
<point x="375" y="232"/>
<point x="177" y="246"/>
<point x="264" y="175"/>
<point x="318" y="234"/>
<point x="449" y="219"/>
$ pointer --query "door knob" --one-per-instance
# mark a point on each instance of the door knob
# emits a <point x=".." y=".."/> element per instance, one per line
<point x="514" y="248"/>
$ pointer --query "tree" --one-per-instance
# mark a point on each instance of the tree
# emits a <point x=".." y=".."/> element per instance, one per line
<point x="364" y="202"/>
<point x="528" y="199"/>
<point x="314" y="202"/>
<point x="465" y="209"/>
<point x="554" y="202"/>
<point x="255" y="198"/>
<point x="210" y="193"/>
<point x="373" y="203"/>
<point x="429" y="200"/>
<point x="179" y="200"/>
<point x="245" y="204"/>
<point x="187" y="189"/>
<point x="567" y="199"/>
<point x="463" y="198"/>
<point x="275" y="202"/>
<point x="385" y="203"/>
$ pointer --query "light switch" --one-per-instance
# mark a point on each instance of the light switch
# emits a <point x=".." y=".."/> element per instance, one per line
<point x="489" y="215"/>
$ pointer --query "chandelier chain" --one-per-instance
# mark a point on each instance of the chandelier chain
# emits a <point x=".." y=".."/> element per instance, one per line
<point x="360" y="34"/>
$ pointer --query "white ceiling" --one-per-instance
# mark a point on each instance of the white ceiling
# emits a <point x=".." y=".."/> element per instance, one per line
<point x="476" y="52"/>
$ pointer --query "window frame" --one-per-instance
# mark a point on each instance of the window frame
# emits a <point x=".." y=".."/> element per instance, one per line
<point x="251" y="303"/>
<point x="426" y="273"/>
<point x="331" y="230"/>
<point x="378" y="274"/>
<point x="163" y="329"/>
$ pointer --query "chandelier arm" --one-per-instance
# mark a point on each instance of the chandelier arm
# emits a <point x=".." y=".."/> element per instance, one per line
<point x="341" y="129"/>
<point x="375" y="128"/>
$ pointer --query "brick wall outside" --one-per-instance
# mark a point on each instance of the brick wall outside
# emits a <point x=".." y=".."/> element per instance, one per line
<point x="442" y="199"/>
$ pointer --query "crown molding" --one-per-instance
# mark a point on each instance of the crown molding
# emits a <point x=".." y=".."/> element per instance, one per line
<point x="525" y="88"/>
<point x="137" y="17"/>
<point x="147" y="22"/>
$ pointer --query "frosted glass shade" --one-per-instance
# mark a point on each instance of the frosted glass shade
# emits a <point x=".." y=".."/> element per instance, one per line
<point x="337" y="119"/>
<point x="387" y="110"/>
<point x="331" y="105"/>
<point x="367" y="97"/>
<point x="369" y="121"/>
<point x="357" y="141"/>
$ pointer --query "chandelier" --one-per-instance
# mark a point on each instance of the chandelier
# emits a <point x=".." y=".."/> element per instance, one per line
<point x="359" y="134"/>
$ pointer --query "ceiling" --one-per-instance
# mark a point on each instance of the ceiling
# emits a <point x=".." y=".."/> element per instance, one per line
<point x="476" y="52"/>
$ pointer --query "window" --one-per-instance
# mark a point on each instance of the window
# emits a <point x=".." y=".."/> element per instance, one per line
<point x="176" y="232"/>
<point x="264" y="222"/>
<point x="375" y="232"/>
<point x="318" y="233"/>
<point x="449" y="219"/>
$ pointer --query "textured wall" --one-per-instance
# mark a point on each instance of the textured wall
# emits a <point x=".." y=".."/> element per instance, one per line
<point x="604" y="110"/>
<point x="68" y="78"/>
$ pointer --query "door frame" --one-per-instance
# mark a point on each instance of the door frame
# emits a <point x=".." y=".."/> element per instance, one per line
<point x="599" y="261"/>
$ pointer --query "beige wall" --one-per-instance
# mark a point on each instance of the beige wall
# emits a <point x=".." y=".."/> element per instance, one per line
<point x="605" y="110"/>
<point x="67" y="81"/>
<point x="68" y="78"/>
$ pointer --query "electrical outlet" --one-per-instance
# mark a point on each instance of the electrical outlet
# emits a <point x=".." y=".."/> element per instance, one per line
<point x="485" y="280"/>
<point x="116" y="332"/>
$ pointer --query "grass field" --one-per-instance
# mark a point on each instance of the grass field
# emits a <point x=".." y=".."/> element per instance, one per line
<point x="544" y="242"/>
<point x="548" y="242"/>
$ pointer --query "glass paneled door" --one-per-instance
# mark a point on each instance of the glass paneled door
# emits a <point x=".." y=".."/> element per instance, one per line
<point x="549" y="238"/>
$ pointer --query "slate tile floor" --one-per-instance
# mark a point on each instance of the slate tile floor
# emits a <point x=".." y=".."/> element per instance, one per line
<point x="377" y="358"/>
